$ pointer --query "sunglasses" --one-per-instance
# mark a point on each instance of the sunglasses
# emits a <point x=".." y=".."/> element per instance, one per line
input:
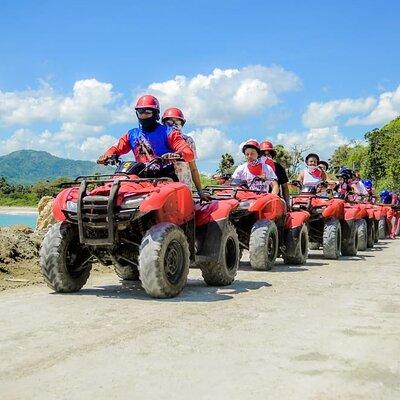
<point x="142" y="111"/>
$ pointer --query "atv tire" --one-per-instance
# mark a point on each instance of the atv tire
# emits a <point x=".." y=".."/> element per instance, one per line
<point x="362" y="234"/>
<point x="313" y="245"/>
<point x="332" y="239"/>
<point x="376" y="227"/>
<point x="164" y="260"/>
<point x="64" y="262"/>
<point x="370" y="234"/>
<point x="350" y="242"/>
<point x="382" y="228"/>
<point x="264" y="245"/>
<point x="222" y="272"/>
<point x="127" y="273"/>
<point x="296" y="246"/>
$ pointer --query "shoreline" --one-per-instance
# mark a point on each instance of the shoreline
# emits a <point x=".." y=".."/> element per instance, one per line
<point x="15" y="210"/>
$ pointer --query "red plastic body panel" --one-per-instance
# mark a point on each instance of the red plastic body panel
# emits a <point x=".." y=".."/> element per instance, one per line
<point x="353" y="212"/>
<point x="172" y="203"/>
<point x="269" y="206"/>
<point x="295" y="219"/>
<point x="61" y="200"/>
<point x="216" y="210"/>
<point x="334" y="209"/>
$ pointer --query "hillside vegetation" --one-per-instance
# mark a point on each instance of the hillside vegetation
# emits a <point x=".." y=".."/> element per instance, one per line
<point x="377" y="159"/>
<point x="31" y="166"/>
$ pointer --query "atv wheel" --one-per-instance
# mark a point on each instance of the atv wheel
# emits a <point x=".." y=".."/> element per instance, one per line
<point x="376" y="232"/>
<point x="64" y="262"/>
<point x="222" y="272"/>
<point x="332" y="239"/>
<point x="350" y="242"/>
<point x="126" y="264"/>
<point x="370" y="234"/>
<point x="164" y="260"/>
<point x="362" y="234"/>
<point x="313" y="245"/>
<point x="263" y="247"/>
<point x="127" y="272"/>
<point x="382" y="228"/>
<point x="296" y="251"/>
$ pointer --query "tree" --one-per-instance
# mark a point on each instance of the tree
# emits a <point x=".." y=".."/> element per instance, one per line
<point x="297" y="153"/>
<point x="283" y="156"/>
<point x="226" y="165"/>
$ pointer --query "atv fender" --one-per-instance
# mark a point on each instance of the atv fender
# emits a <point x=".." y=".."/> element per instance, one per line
<point x="60" y="202"/>
<point x="214" y="211"/>
<point x="352" y="213"/>
<point x="335" y="209"/>
<point x="172" y="203"/>
<point x="295" y="219"/>
<point x="269" y="207"/>
<point x="208" y="240"/>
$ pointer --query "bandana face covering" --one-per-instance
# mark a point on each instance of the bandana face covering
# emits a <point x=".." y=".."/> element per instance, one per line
<point x="148" y="124"/>
<point x="315" y="171"/>
<point x="255" y="167"/>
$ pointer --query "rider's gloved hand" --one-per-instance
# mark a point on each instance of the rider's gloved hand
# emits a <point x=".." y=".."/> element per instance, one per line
<point x="204" y="196"/>
<point x="171" y="156"/>
<point x="102" y="159"/>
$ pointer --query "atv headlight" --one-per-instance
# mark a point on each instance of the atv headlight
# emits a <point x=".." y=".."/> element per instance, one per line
<point x="244" y="205"/>
<point x="132" y="202"/>
<point x="71" y="206"/>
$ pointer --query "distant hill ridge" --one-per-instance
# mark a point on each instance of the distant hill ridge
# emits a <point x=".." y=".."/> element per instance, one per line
<point x="30" y="166"/>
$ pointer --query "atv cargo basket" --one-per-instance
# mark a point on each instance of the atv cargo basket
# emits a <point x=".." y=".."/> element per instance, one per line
<point x="98" y="216"/>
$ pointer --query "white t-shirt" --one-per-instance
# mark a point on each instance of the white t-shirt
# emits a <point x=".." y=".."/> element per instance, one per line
<point x="310" y="180"/>
<point x="242" y="172"/>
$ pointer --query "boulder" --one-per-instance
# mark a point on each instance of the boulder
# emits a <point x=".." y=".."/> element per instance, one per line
<point x="45" y="215"/>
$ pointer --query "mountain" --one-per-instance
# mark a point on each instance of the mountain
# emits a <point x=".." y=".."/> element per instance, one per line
<point x="30" y="166"/>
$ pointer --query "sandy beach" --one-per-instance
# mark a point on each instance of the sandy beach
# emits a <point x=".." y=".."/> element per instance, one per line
<point x="18" y="210"/>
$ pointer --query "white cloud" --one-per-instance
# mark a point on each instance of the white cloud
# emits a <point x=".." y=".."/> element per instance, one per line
<point x="225" y="95"/>
<point x="29" y="106"/>
<point x="88" y="149"/>
<point x="388" y="108"/>
<point x="326" y="113"/>
<point x="211" y="143"/>
<point x="89" y="103"/>
<point x="322" y="141"/>
<point x="92" y="103"/>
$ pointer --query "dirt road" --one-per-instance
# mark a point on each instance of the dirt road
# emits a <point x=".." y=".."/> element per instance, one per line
<point x="328" y="330"/>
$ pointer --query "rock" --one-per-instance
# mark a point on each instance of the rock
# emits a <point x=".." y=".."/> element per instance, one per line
<point x="45" y="215"/>
<point x="18" y="243"/>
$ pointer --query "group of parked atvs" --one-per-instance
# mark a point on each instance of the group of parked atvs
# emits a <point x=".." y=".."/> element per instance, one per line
<point x="153" y="229"/>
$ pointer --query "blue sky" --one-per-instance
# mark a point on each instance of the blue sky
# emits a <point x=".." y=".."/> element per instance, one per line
<point x="315" y="73"/>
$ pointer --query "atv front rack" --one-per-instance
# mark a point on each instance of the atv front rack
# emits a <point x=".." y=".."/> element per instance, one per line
<point x="234" y="189"/>
<point x="100" y="214"/>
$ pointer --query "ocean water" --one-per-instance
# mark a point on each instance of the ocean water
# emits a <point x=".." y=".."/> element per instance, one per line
<point x="28" y="219"/>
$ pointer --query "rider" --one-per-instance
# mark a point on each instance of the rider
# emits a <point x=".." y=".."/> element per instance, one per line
<point x="343" y="187"/>
<point x="151" y="139"/>
<point x="257" y="174"/>
<point x="370" y="190"/>
<point x="173" y="117"/>
<point x="358" y="187"/>
<point x="312" y="175"/>
<point x="268" y="153"/>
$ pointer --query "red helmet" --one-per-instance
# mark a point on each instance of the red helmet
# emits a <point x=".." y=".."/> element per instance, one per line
<point x="253" y="144"/>
<point x="266" y="145"/>
<point x="173" y="113"/>
<point x="148" y="101"/>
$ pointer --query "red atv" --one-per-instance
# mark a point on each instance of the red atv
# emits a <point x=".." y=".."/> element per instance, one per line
<point x="264" y="226"/>
<point x="332" y="222"/>
<point x="142" y="224"/>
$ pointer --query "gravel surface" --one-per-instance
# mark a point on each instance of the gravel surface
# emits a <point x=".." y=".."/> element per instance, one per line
<point x="326" y="330"/>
